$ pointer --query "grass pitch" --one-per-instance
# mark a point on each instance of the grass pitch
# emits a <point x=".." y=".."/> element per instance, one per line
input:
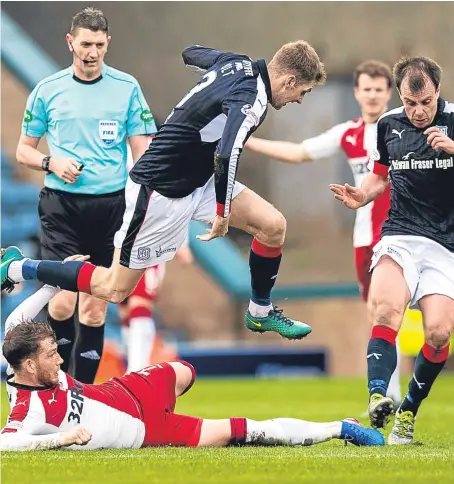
<point x="308" y="399"/>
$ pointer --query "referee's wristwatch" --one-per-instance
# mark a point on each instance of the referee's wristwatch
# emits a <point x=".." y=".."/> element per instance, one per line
<point x="45" y="164"/>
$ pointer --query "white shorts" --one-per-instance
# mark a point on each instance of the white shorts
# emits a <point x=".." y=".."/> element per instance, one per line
<point x="155" y="227"/>
<point x="428" y="267"/>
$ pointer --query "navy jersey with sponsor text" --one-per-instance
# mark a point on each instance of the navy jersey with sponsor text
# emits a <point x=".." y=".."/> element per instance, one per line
<point x="422" y="179"/>
<point x="206" y="131"/>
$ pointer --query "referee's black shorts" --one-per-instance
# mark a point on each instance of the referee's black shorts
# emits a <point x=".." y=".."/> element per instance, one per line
<point x="79" y="224"/>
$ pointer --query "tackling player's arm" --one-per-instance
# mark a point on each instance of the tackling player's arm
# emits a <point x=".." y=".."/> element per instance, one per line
<point x="316" y="148"/>
<point x="375" y="182"/>
<point x="14" y="438"/>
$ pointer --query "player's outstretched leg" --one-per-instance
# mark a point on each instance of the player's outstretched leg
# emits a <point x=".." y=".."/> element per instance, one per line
<point x="285" y="432"/>
<point x="110" y="284"/>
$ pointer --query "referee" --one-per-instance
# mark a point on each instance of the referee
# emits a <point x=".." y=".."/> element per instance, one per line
<point x="87" y="112"/>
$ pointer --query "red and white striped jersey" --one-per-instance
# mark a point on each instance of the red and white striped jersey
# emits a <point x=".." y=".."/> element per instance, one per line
<point x="37" y="416"/>
<point x="356" y="139"/>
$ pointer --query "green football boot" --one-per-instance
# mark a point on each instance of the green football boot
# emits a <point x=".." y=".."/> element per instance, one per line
<point x="380" y="409"/>
<point x="277" y="322"/>
<point x="7" y="256"/>
<point x="403" y="429"/>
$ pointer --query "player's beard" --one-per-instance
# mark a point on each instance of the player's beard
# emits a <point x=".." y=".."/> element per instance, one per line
<point x="47" y="378"/>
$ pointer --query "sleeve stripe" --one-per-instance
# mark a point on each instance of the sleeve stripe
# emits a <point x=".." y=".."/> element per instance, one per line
<point x="251" y="120"/>
<point x="378" y="168"/>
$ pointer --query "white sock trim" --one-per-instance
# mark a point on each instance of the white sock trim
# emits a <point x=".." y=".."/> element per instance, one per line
<point x="259" y="311"/>
<point x="15" y="270"/>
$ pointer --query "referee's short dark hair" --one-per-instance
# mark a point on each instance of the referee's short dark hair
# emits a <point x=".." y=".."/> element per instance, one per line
<point x="90" y="18"/>
<point x="417" y="69"/>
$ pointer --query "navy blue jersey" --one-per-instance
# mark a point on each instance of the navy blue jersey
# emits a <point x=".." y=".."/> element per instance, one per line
<point x="206" y="131"/>
<point x="422" y="179"/>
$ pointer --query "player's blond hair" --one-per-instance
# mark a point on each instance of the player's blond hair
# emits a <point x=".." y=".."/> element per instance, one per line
<point x="300" y="59"/>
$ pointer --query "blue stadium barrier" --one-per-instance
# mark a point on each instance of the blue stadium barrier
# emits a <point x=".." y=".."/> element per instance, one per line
<point x="22" y="55"/>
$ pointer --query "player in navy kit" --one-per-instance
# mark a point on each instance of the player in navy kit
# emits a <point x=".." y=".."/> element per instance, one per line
<point x="189" y="171"/>
<point x="414" y="261"/>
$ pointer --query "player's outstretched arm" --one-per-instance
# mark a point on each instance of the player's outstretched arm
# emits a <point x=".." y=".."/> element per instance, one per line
<point x="200" y="57"/>
<point x="285" y="151"/>
<point x="12" y="439"/>
<point x="354" y="198"/>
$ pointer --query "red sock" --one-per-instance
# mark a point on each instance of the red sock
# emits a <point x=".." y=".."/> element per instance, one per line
<point x="238" y="428"/>
<point x="383" y="332"/>
<point x="84" y="277"/>
<point x="265" y="250"/>
<point x="435" y="355"/>
<point x="140" y="312"/>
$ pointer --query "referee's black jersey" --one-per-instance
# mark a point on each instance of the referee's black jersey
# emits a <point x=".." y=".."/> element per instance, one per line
<point x="422" y="179"/>
<point x="206" y="131"/>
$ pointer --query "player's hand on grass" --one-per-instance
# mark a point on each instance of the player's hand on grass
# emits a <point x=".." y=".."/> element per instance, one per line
<point x="352" y="197"/>
<point x="67" y="169"/>
<point x="438" y="140"/>
<point x="78" y="435"/>
<point x="219" y="228"/>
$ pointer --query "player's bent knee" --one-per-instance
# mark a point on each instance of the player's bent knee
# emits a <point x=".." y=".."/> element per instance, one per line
<point x="437" y="337"/>
<point x="185" y="376"/>
<point x="273" y="230"/>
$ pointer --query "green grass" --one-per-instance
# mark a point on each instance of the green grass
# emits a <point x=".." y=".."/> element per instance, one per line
<point x="311" y="399"/>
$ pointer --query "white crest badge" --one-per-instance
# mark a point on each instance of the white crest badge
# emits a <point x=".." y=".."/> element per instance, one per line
<point x="108" y="131"/>
<point x="443" y="129"/>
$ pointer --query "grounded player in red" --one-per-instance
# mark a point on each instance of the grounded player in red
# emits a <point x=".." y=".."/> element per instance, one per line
<point x="189" y="172"/>
<point x="373" y="89"/>
<point x="49" y="409"/>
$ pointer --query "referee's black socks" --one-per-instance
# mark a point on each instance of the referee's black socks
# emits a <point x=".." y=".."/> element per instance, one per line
<point x="65" y="332"/>
<point x="88" y="352"/>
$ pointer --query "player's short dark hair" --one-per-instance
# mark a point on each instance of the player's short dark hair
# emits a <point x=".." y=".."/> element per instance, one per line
<point x="417" y="69"/>
<point x="373" y="68"/>
<point x="23" y="341"/>
<point x="299" y="58"/>
<point x="90" y="18"/>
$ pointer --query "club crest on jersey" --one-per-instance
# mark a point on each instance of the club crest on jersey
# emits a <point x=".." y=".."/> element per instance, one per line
<point x="247" y="111"/>
<point x="108" y="131"/>
<point x="443" y="129"/>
